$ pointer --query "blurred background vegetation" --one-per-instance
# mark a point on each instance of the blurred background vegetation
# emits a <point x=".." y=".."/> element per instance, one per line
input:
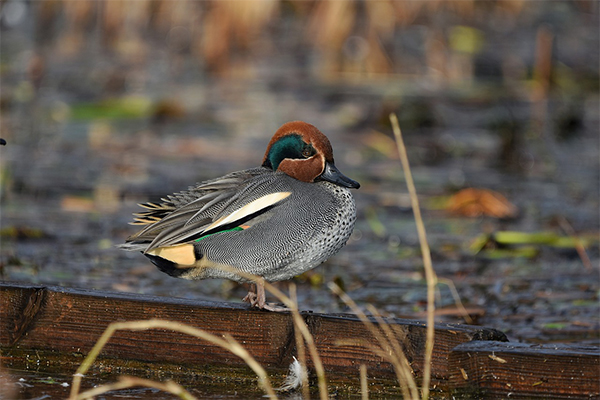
<point x="108" y="103"/>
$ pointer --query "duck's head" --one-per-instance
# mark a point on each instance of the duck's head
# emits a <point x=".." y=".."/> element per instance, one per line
<point x="303" y="152"/>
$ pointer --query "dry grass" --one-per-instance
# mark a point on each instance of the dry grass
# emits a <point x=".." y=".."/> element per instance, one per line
<point x="125" y="382"/>
<point x="388" y="347"/>
<point x="430" y="274"/>
<point x="351" y="37"/>
<point x="227" y="342"/>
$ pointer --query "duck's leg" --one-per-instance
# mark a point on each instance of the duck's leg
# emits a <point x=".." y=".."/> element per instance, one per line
<point x="257" y="298"/>
<point x="256" y="295"/>
<point x="261" y="298"/>
<point x="251" y="297"/>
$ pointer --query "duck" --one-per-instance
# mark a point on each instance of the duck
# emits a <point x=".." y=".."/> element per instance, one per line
<point x="275" y="221"/>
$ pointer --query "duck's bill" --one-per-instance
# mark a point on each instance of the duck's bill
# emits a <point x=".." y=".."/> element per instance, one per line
<point x="333" y="175"/>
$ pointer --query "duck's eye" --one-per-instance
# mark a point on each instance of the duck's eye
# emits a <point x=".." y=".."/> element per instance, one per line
<point x="307" y="152"/>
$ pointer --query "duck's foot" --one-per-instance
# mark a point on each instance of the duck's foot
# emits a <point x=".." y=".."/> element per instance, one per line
<point x="276" y="307"/>
<point x="256" y="298"/>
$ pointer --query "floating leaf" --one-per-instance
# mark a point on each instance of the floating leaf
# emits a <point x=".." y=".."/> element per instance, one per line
<point x="466" y="39"/>
<point x="519" y="252"/>
<point x="122" y="108"/>
<point x="512" y="237"/>
<point x="22" y="232"/>
<point x="502" y="244"/>
<point x="477" y="202"/>
<point x="555" y="325"/>
<point x="77" y="204"/>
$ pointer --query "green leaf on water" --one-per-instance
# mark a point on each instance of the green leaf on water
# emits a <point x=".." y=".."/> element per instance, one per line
<point x="584" y="303"/>
<point x="521" y="244"/>
<point x="518" y="252"/>
<point x="512" y="237"/>
<point x="465" y="39"/>
<point x="120" y="108"/>
<point x="49" y="380"/>
<point x="555" y="325"/>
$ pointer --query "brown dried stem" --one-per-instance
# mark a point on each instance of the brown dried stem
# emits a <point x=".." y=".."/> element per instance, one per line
<point x="430" y="275"/>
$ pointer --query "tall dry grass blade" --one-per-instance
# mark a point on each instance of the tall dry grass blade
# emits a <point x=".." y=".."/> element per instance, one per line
<point x="398" y="351"/>
<point x="579" y="246"/>
<point x="364" y="384"/>
<point x="385" y="350"/>
<point x="542" y="75"/>
<point x="125" y="382"/>
<point x="312" y="348"/>
<point x="298" y="321"/>
<point x="429" y="272"/>
<point x="227" y="342"/>
<point x="457" y="301"/>
<point x="300" y="349"/>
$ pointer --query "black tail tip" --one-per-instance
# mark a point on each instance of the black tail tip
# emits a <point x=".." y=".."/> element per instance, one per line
<point x="166" y="266"/>
<point x="2" y="142"/>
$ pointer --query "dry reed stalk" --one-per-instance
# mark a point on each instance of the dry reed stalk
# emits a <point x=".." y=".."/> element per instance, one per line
<point x="381" y="28"/>
<point x="125" y="382"/>
<point x="227" y="342"/>
<point x="430" y="275"/>
<point x="579" y="246"/>
<point x="398" y="350"/>
<point x="231" y="24"/>
<point x="300" y="349"/>
<point x="364" y="384"/>
<point x="308" y="338"/>
<point x="407" y="370"/>
<point x="299" y="324"/>
<point x="385" y="355"/>
<point x="461" y="308"/>
<point x="330" y="24"/>
<point x="386" y="349"/>
<point x="541" y="77"/>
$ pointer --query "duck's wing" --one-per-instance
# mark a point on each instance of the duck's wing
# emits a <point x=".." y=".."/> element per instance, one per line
<point x="208" y="208"/>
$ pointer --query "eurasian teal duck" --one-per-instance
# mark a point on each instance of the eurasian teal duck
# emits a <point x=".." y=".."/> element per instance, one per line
<point x="275" y="221"/>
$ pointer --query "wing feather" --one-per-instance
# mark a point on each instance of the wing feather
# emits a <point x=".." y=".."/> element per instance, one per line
<point x="208" y="208"/>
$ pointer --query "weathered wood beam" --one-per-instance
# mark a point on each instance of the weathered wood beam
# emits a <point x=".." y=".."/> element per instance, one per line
<point x="330" y="330"/>
<point x="63" y="324"/>
<point x="71" y="321"/>
<point x="518" y="370"/>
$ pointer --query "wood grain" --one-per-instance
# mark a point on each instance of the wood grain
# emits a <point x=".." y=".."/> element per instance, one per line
<point x="522" y="370"/>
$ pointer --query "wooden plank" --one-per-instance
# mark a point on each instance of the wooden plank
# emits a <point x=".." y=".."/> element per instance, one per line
<point x="495" y="369"/>
<point x="71" y="320"/>
<point x="328" y="330"/>
<point x="63" y="324"/>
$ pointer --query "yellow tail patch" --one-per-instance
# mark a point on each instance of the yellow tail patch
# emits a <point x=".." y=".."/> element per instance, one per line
<point x="181" y="254"/>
